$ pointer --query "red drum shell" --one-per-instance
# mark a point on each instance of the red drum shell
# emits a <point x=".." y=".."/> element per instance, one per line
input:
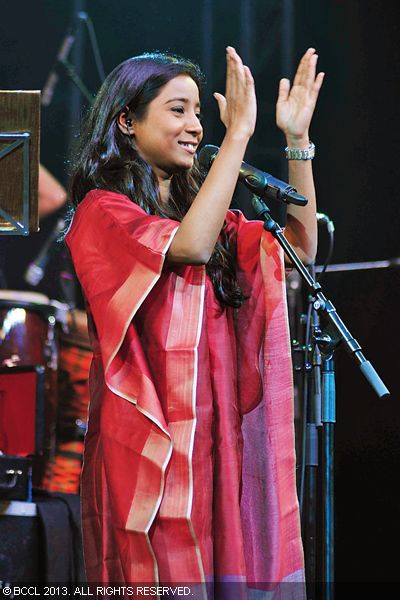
<point x="29" y="335"/>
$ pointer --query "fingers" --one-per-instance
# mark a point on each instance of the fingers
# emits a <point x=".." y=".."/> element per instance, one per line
<point x="310" y="70"/>
<point x="236" y="64"/>
<point x="235" y="73"/>
<point x="306" y="73"/>
<point x="283" y="90"/>
<point x="221" y="101"/>
<point x="318" y="83"/>
<point x="249" y="77"/>
<point x="238" y="107"/>
<point x="229" y="75"/>
<point x="299" y="76"/>
<point x="306" y="70"/>
<point x="231" y="80"/>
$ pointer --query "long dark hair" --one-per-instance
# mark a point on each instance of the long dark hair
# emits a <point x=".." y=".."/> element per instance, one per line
<point x="107" y="158"/>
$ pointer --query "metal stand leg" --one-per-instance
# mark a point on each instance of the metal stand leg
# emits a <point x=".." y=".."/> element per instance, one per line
<point x="310" y="534"/>
<point x="328" y="419"/>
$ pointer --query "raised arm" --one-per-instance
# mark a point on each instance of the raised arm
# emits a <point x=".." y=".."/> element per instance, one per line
<point x="199" y="230"/>
<point x="294" y="110"/>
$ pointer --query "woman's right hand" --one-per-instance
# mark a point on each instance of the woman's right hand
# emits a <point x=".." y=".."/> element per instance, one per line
<point x="238" y="108"/>
<point x="195" y="240"/>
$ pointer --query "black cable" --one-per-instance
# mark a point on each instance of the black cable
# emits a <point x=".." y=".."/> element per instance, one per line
<point x="328" y="256"/>
<point x="331" y="230"/>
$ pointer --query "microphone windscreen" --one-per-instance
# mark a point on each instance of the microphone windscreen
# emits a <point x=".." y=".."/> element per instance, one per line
<point x="207" y="155"/>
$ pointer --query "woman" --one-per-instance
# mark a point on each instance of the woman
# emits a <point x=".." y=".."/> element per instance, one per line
<point x="189" y="462"/>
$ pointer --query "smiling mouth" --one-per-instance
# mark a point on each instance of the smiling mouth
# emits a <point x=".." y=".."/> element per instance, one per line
<point x="189" y="146"/>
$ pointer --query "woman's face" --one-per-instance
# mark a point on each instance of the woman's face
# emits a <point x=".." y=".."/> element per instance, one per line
<point x="168" y="137"/>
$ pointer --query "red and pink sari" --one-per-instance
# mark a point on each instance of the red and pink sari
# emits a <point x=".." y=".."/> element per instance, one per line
<point x="189" y="465"/>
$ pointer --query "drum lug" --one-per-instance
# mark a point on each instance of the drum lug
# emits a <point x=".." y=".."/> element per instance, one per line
<point x="50" y="345"/>
<point x="13" y="361"/>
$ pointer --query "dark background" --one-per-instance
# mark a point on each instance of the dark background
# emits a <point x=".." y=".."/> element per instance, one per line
<point x="356" y="132"/>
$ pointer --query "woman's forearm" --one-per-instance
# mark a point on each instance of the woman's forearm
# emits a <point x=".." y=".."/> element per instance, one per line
<point x="199" y="230"/>
<point x="301" y="225"/>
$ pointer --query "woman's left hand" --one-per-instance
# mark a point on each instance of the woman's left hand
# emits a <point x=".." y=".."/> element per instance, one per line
<point x="295" y="105"/>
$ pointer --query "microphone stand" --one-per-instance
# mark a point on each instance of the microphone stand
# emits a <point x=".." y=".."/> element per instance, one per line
<point x="310" y="462"/>
<point x="62" y="59"/>
<point x="327" y="340"/>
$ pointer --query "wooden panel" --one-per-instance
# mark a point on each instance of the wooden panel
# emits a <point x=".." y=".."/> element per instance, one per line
<point x="19" y="113"/>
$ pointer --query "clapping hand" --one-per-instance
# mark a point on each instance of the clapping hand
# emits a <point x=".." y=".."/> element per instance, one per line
<point x="238" y="108"/>
<point x="295" y="105"/>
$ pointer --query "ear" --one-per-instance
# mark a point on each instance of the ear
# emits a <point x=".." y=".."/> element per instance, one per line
<point x="125" y="124"/>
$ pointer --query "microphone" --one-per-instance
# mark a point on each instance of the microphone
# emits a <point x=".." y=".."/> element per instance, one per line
<point x="35" y="271"/>
<point x="259" y="182"/>
<point x="62" y="55"/>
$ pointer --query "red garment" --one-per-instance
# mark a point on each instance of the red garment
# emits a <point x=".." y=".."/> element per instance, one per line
<point x="189" y="468"/>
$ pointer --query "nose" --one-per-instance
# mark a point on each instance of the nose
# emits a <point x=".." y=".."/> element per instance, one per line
<point x="193" y="125"/>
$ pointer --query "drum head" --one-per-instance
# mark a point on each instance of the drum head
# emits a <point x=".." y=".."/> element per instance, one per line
<point x="36" y="302"/>
<point x="15" y="297"/>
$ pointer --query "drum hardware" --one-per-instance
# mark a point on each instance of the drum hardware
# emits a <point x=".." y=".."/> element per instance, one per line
<point x="50" y="345"/>
<point x="30" y="324"/>
<point x="22" y="428"/>
<point x="13" y="475"/>
<point x="37" y="331"/>
<point x="15" y="478"/>
<point x="13" y="361"/>
<point x="81" y="427"/>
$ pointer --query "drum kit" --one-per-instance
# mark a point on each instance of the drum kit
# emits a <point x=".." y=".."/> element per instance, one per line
<point x="44" y="364"/>
<point x="44" y="344"/>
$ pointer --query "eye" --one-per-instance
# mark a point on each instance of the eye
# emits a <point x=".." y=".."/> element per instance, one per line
<point x="178" y="109"/>
<point x="199" y="116"/>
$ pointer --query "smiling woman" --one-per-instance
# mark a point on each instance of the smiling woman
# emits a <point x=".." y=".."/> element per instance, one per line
<point x="189" y="468"/>
<point x="169" y="135"/>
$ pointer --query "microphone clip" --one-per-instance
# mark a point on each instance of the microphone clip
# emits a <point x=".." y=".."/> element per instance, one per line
<point x="261" y="209"/>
